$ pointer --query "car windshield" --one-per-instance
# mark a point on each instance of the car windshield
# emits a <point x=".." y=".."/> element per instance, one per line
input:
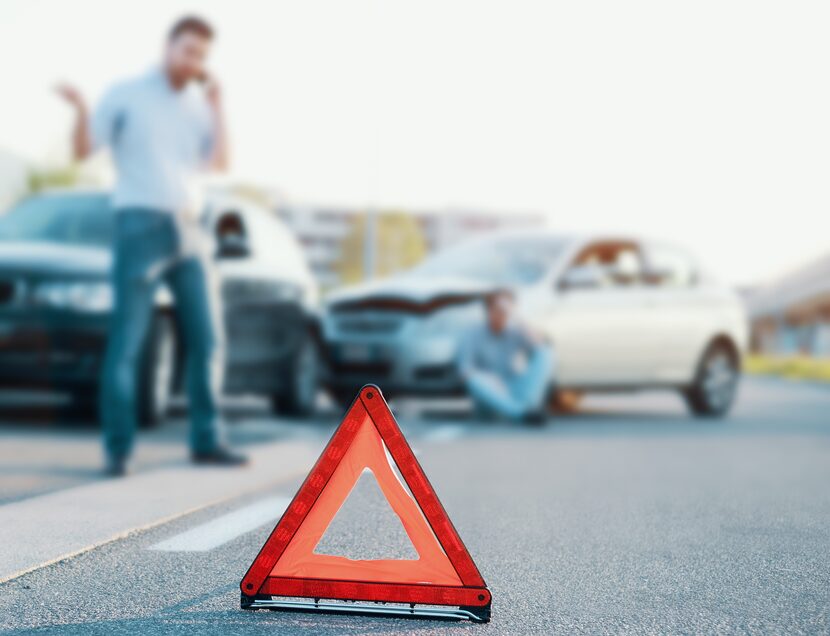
<point x="506" y="261"/>
<point x="78" y="219"/>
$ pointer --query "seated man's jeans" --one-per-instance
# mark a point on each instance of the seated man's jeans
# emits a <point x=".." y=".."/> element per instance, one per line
<point x="148" y="250"/>
<point x="518" y="396"/>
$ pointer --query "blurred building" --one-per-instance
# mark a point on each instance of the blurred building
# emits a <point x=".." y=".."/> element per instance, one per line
<point x="323" y="231"/>
<point x="792" y="314"/>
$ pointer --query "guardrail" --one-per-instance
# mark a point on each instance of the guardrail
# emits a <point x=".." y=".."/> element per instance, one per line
<point x="796" y="367"/>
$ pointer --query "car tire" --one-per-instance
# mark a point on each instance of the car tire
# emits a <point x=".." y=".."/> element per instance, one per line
<point x="298" y="398"/>
<point x="157" y="372"/>
<point x="716" y="381"/>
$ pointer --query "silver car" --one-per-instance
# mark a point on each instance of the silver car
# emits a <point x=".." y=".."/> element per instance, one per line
<point x="622" y="313"/>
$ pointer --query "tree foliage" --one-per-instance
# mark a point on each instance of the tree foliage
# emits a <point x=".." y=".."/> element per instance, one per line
<point x="399" y="244"/>
<point x="45" y="178"/>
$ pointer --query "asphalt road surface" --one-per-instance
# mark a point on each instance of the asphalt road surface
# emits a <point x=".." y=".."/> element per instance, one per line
<point x="628" y="517"/>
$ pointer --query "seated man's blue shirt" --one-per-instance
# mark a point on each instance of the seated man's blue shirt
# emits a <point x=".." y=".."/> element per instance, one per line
<point x="502" y="354"/>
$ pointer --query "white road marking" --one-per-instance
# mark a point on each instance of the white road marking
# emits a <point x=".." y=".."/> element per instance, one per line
<point x="446" y="433"/>
<point x="219" y="531"/>
<point x="110" y="509"/>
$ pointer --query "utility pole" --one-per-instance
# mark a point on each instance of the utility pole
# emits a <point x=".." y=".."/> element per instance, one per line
<point x="370" y="235"/>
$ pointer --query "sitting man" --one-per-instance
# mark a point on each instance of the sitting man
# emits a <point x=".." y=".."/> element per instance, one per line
<point x="506" y="368"/>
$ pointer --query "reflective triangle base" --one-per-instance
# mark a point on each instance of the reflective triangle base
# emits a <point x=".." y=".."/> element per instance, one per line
<point x="411" y="610"/>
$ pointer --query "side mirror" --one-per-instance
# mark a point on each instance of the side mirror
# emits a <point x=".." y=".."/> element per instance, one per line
<point x="657" y="277"/>
<point x="581" y="277"/>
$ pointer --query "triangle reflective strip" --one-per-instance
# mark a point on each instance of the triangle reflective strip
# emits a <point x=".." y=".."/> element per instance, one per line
<point x="444" y="573"/>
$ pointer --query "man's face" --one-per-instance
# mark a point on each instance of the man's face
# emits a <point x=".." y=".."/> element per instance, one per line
<point x="186" y="57"/>
<point x="499" y="311"/>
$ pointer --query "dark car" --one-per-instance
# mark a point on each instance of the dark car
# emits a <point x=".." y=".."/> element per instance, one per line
<point x="56" y="300"/>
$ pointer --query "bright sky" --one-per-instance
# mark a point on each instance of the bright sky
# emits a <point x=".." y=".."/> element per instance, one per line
<point x="705" y="122"/>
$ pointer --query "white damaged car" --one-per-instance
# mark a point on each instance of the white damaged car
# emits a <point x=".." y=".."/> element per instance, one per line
<point x="623" y="314"/>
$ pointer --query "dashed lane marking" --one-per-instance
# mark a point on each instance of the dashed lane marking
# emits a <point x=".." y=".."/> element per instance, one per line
<point x="221" y="530"/>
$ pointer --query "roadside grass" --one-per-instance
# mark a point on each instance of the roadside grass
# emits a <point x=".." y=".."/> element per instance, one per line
<point x="792" y="367"/>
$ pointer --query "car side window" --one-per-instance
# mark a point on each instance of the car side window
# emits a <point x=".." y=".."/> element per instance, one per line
<point x="668" y="266"/>
<point x="607" y="265"/>
<point x="231" y="235"/>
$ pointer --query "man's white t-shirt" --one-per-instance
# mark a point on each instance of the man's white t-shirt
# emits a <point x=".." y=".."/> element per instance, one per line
<point x="160" y="139"/>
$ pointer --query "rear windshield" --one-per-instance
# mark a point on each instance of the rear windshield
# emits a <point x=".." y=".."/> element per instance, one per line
<point x="74" y="219"/>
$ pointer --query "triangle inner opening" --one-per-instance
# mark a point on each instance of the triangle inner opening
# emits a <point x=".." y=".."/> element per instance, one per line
<point x="366" y="527"/>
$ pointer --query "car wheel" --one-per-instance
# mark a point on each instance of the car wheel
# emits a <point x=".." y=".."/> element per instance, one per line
<point x="299" y="397"/>
<point x="157" y="372"/>
<point x="716" y="381"/>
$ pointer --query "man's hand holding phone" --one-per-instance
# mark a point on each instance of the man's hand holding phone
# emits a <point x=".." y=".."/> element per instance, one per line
<point x="213" y="91"/>
<point x="219" y="159"/>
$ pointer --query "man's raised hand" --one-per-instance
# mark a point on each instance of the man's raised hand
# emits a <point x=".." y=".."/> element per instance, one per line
<point x="81" y="144"/>
<point x="72" y="96"/>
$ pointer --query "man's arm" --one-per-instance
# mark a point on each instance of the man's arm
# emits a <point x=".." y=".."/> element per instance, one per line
<point x="219" y="158"/>
<point x="81" y="140"/>
<point x="530" y="338"/>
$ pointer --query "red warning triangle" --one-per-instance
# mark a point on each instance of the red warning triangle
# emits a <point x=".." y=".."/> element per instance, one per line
<point x="288" y="566"/>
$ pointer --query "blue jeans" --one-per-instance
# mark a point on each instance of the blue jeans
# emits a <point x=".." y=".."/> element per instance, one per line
<point x="147" y="251"/>
<point x="514" y="397"/>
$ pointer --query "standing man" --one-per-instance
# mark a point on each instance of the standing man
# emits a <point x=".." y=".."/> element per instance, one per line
<point x="162" y="128"/>
<point x="505" y="367"/>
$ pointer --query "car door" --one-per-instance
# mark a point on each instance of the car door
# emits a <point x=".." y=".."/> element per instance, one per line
<point x="235" y="262"/>
<point x="682" y="313"/>
<point x="599" y="320"/>
<point x="266" y="292"/>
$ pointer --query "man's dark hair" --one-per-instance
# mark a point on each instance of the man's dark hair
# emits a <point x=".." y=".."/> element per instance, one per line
<point x="491" y="298"/>
<point x="192" y="24"/>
